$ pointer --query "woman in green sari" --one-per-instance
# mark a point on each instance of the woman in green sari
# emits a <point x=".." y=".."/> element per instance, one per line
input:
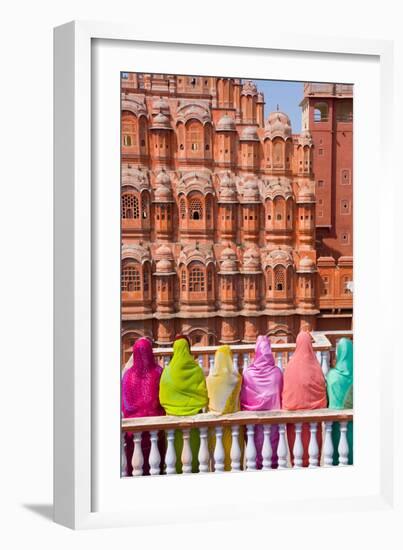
<point x="339" y="383"/>
<point x="183" y="392"/>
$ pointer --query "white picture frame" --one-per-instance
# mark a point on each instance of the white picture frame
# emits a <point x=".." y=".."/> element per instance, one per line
<point x="88" y="490"/>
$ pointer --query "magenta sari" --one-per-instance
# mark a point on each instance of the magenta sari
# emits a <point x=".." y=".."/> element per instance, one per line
<point x="140" y="397"/>
<point x="261" y="391"/>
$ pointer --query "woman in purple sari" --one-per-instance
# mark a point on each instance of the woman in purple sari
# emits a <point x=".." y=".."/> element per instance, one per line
<point x="262" y="387"/>
<point x="140" y="397"/>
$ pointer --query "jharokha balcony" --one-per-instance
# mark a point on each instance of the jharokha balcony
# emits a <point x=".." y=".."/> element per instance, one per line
<point x="242" y="425"/>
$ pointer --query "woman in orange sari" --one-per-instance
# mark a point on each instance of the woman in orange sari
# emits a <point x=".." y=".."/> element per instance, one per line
<point x="304" y="388"/>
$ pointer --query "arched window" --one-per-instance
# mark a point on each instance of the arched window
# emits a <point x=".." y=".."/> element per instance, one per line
<point x="144" y="206"/>
<point x="321" y="112"/>
<point x="279" y="279"/>
<point x="182" y="208"/>
<point x="194" y="137"/>
<point x="277" y="153"/>
<point x="146" y="278"/>
<point x="130" y="206"/>
<point x="129" y="129"/>
<point x="269" y="279"/>
<point x="130" y="281"/>
<point x="195" y="209"/>
<point x="183" y="280"/>
<point x="143" y="135"/>
<point x="196" y="279"/>
<point x="209" y="280"/>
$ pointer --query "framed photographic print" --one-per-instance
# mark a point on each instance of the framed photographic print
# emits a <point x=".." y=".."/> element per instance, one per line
<point x="217" y="235"/>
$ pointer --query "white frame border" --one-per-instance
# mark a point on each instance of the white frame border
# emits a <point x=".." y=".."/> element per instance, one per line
<point x="72" y="376"/>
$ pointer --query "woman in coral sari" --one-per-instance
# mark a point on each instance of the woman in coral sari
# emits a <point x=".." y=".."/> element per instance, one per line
<point x="183" y="392"/>
<point x="223" y="388"/>
<point x="339" y="383"/>
<point x="304" y="388"/>
<point x="261" y="391"/>
<point x="140" y="388"/>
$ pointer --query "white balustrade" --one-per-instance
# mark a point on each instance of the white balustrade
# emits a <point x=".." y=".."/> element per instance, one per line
<point x="170" y="455"/>
<point x="165" y="360"/>
<point x="319" y="357"/>
<point x="137" y="459"/>
<point x="211" y="363"/>
<point x="186" y="453"/>
<point x="235" y="362"/>
<point x="282" y="450"/>
<point x="250" y="448"/>
<point x="266" y="449"/>
<point x="325" y="362"/>
<point x="123" y="466"/>
<point x="328" y="449"/>
<point x="219" y="454"/>
<point x="343" y="445"/>
<point x="155" y="457"/>
<point x="280" y="361"/>
<point x="298" y="449"/>
<point x="235" y="450"/>
<point x="245" y="361"/>
<point x="204" y="455"/>
<point x="200" y="361"/>
<point x="313" y="448"/>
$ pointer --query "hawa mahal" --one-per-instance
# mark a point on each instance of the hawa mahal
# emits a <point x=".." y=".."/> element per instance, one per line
<point x="233" y="226"/>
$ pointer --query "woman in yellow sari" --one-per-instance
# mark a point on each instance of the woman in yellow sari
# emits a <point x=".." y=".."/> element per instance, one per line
<point x="223" y="388"/>
<point x="183" y="393"/>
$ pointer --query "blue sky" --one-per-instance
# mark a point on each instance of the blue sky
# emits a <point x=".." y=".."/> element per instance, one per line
<point x="287" y="95"/>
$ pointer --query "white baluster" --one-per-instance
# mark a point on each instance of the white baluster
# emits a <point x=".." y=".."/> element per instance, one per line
<point x="328" y="445"/>
<point x="343" y="445"/>
<point x="165" y="360"/>
<point x="203" y="455"/>
<point x="235" y="450"/>
<point x="282" y="448"/>
<point x="298" y="449"/>
<point x="250" y="448"/>
<point x="211" y="363"/>
<point x="313" y="448"/>
<point x="245" y="361"/>
<point x="137" y="459"/>
<point x="200" y="360"/>
<point x="267" y="452"/>
<point x="123" y="450"/>
<point x="325" y="362"/>
<point x="235" y="360"/>
<point x="186" y="453"/>
<point x="280" y="361"/>
<point x="155" y="457"/>
<point x="170" y="455"/>
<point x="219" y="453"/>
<point x="319" y="357"/>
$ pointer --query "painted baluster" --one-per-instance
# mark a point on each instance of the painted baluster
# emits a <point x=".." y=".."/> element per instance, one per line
<point x="325" y="362"/>
<point x="211" y="363"/>
<point x="203" y="455"/>
<point x="170" y="455"/>
<point x="155" y="457"/>
<point x="250" y="448"/>
<point x="298" y="449"/>
<point x="343" y="445"/>
<point x="282" y="448"/>
<point x="313" y="448"/>
<point x="123" y="458"/>
<point x="267" y="452"/>
<point x="280" y="361"/>
<point x="235" y="450"/>
<point x="186" y="453"/>
<point x="219" y="453"/>
<point x="137" y="459"/>
<point x="328" y="445"/>
<point x="235" y="360"/>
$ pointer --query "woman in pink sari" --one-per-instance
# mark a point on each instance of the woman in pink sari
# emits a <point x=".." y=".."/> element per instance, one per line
<point x="261" y="391"/>
<point x="140" y="390"/>
<point x="304" y="388"/>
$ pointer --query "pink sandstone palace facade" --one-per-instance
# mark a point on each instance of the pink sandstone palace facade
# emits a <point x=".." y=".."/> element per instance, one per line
<point x="233" y="226"/>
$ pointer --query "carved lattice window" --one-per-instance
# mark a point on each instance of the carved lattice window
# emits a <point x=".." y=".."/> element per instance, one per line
<point x="196" y="209"/>
<point x="209" y="280"/>
<point x="130" y="206"/>
<point x="130" y="279"/>
<point x="183" y="280"/>
<point x="279" y="278"/>
<point x="196" y="280"/>
<point x="269" y="279"/>
<point x="182" y="209"/>
<point x="144" y="206"/>
<point x="146" y="280"/>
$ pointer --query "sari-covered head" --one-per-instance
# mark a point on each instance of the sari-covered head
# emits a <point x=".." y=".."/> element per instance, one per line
<point x="223" y="383"/>
<point x="183" y="389"/>
<point x="263" y="380"/>
<point x="339" y="379"/>
<point x="140" y="383"/>
<point x="304" y="384"/>
<point x="180" y="336"/>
